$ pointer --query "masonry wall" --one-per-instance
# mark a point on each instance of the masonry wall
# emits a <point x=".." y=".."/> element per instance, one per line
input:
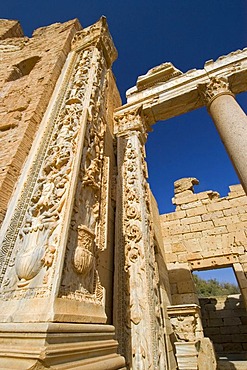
<point x="205" y="232"/>
<point x="29" y="70"/>
<point x="225" y="323"/>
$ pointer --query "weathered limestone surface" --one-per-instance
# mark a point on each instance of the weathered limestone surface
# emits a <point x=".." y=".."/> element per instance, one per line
<point x="58" y="234"/>
<point x="225" y="323"/>
<point x="30" y="68"/>
<point x="10" y="28"/>
<point x="205" y="231"/>
<point x="177" y="93"/>
<point x="83" y="247"/>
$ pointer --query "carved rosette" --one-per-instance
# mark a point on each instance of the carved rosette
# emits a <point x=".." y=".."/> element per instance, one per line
<point x="135" y="312"/>
<point x="31" y="244"/>
<point x="216" y="87"/>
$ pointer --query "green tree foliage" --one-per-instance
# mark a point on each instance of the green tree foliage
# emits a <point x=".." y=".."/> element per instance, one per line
<point x="212" y="287"/>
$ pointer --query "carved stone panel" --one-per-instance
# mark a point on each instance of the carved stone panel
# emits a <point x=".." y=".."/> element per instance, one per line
<point x="137" y="303"/>
<point x="66" y="166"/>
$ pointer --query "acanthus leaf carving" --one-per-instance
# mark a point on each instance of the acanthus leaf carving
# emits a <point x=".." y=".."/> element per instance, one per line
<point x="214" y="88"/>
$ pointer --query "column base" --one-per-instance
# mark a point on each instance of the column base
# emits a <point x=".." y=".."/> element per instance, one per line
<point x="27" y="346"/>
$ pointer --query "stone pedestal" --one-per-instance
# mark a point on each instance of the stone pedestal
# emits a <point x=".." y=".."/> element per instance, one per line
<point x="58" y="346"/>
<point x="186" y="353"/>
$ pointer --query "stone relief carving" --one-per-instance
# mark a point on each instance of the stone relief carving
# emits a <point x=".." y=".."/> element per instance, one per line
<point x="31" y="243"/>
<point x="216" y="87"/>
<point x="138" y="309"/>
<point x="82" y="283"/>
<point x="184" y="328"/>
<point x="186" y="322"/>
<point x="99" y="32"/>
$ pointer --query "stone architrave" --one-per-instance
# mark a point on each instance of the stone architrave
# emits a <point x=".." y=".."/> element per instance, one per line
<point x="49" y="247"/>
<point x="137" y="314"/>
<point x="230" y="121"/>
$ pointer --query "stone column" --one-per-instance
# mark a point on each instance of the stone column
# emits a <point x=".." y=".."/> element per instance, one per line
<point x="138" y="320"/>
<point x="230" y="121"/>
<point x="50" y="281"/>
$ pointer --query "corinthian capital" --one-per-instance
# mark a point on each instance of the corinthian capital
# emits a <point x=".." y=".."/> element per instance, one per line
<point x="129" y="121"/>
<point x="96" y="35"/>
<point x="211" y="90"/>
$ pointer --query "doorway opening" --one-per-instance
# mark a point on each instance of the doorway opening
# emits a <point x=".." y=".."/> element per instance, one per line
<point x="224" y="316"/>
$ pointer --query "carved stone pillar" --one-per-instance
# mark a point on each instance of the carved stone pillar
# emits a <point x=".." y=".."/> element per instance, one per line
<point x="137" y="313"/>
<point x="230" y="121"/>
<point x="52" y="235"/>
<point x="191" y="346"/>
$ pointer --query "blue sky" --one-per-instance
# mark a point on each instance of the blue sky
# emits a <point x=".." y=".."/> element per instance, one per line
<point x="148" y="33"/>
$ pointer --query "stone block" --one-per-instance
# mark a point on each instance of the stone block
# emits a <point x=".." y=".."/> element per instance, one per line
<point x="230" y="211"/>
<point x="178" y="247"/>
<point x="207" y="225"/>
<point x="212" y="215"/>
<point x="221" y="204"/>
<point x="220" y="314"/>
<point x="215" y="231"/>
<point x="209" y="331"/>
<point x="178" y="229"/>
<point x="196" y="211"/>
<point x="231" y="321"/>
<point x="186" y="286"/>
<point x="226" y="220"/>
<point x="239" y="338"/>
<point x="173" y="216"/>
<point x="216" y="322"/>
<point x="193" y="235"/>
<point x="229" y="330"/>
<point x="236" y="226"/>
<point x="195" y="204"/>
<point x="188" y="198"/>
<point x="182" y="257"/>
<point x="193" y="245"/>
<point x="191" y="220"/>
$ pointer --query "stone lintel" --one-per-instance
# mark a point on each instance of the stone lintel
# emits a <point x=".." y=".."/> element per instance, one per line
<point x="156" y="75"/>
<point x="98" y="34"/>
<point x="180" y="94"/>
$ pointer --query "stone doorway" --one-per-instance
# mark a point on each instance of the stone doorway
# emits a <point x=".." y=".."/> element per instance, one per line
<point x="224" y="318"/>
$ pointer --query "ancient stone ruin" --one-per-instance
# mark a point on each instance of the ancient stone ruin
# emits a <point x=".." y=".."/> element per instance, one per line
<point x="92" y="277"/>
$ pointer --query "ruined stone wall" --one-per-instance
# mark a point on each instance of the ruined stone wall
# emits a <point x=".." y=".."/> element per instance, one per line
<point x="204" y="232"/>
<point x="29" y="70"/>
<point x="10" y="28"/>
<point x="225" y="323"/>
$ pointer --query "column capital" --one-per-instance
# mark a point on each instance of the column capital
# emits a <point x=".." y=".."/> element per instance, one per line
<point x="96" y="35"/>
<point x="129" y="121"/>
<point x="215" y="87"/>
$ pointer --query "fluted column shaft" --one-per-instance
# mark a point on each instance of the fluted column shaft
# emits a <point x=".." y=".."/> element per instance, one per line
<point x="230" y="121"/>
